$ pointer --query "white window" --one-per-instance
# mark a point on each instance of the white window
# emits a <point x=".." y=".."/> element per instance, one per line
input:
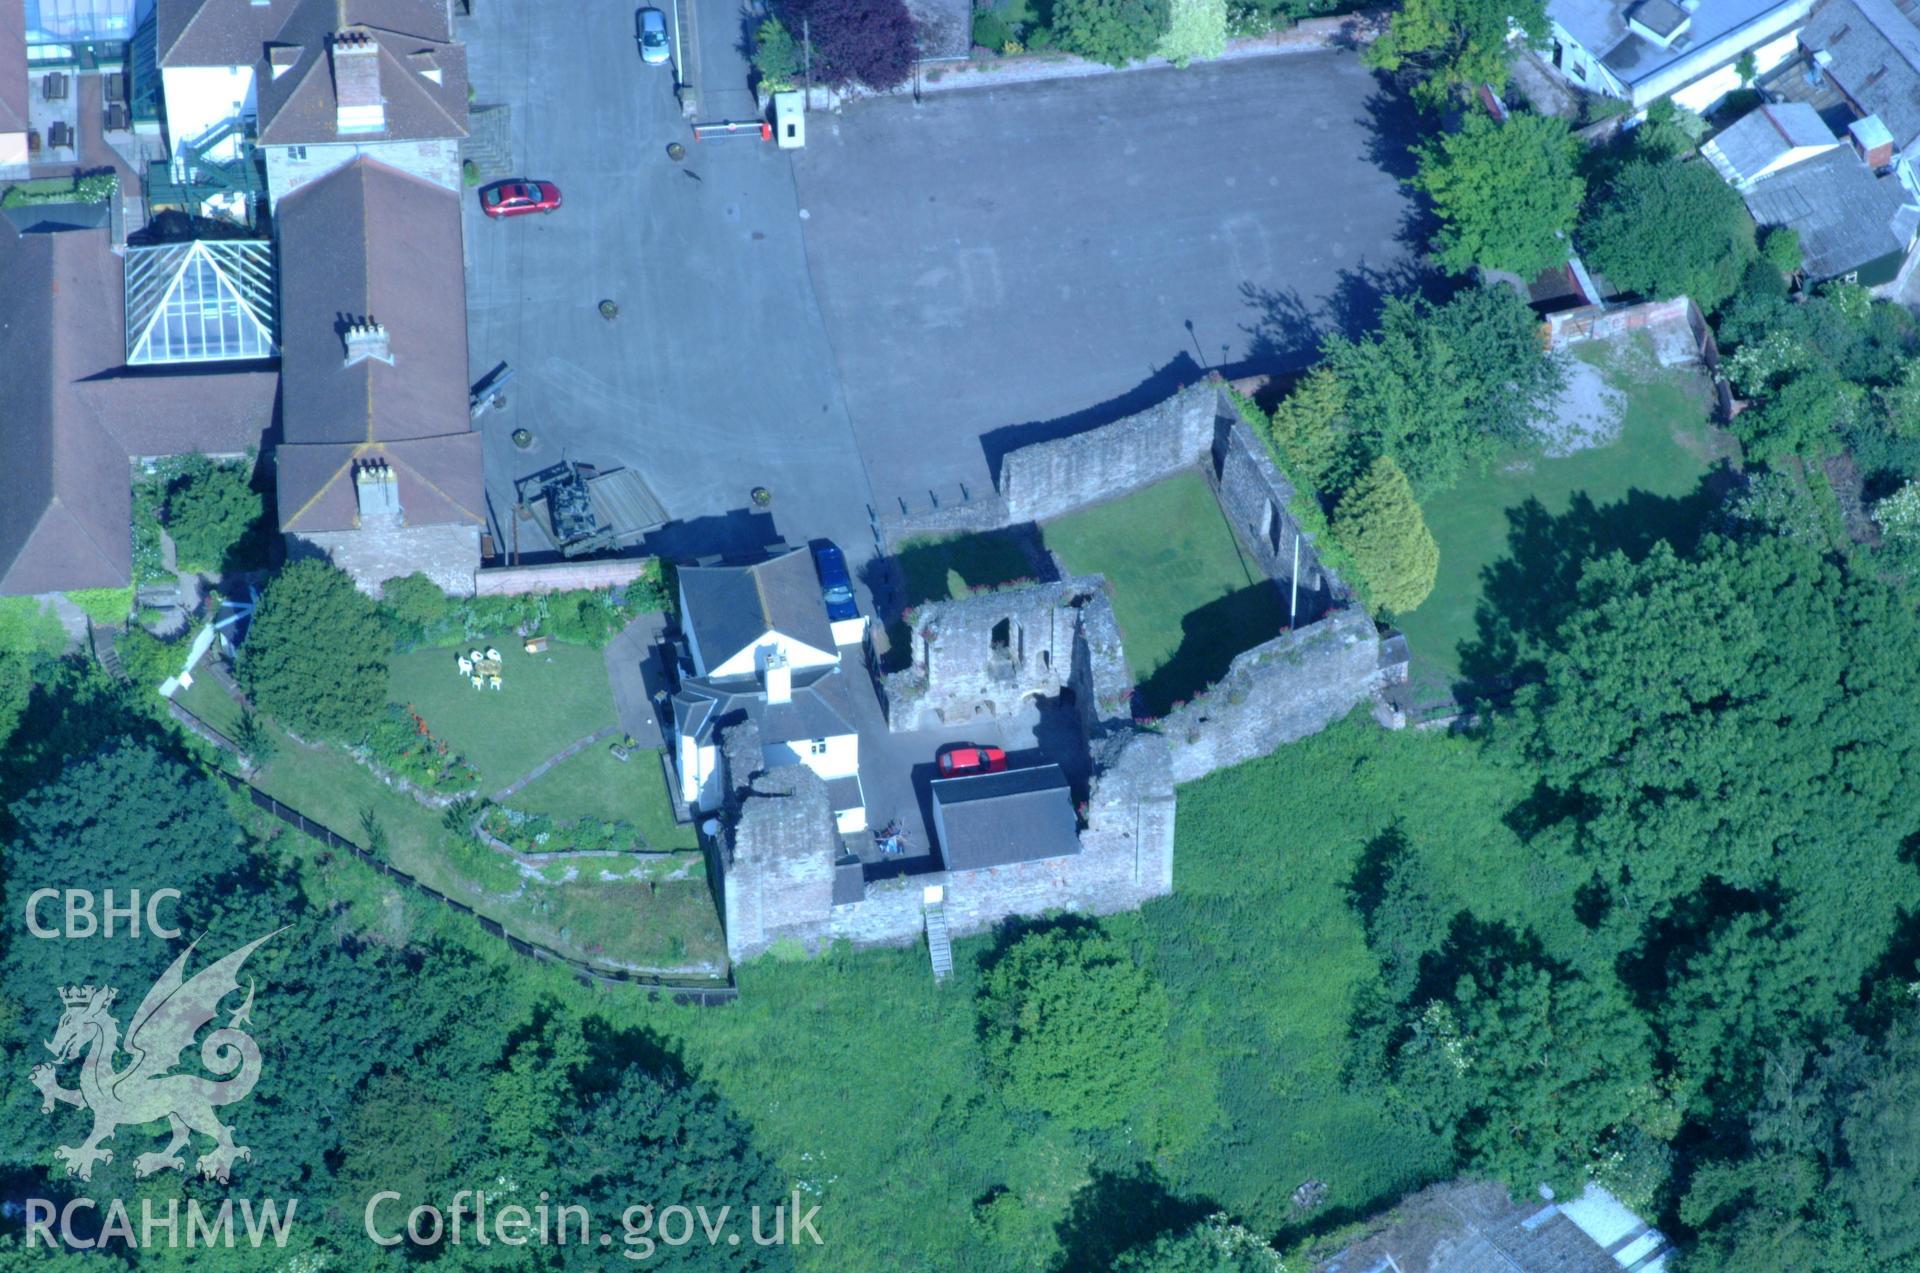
<point x="296" y="152"/>
<point x="818" y="746"/>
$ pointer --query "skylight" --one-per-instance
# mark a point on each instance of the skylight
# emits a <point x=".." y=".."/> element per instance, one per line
<point x="204" y="301"/>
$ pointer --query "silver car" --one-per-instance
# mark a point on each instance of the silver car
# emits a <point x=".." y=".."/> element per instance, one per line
<point x="650" y="29"/>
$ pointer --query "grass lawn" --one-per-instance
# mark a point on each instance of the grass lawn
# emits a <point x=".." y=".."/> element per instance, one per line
<point x="595" y="785"/>
<point x="1665" y="445"/>
<point x="1186" y="597"/>
<point x="546" y="701"/>
<point x="647" y="923"/>
<point x="205" y="699"/>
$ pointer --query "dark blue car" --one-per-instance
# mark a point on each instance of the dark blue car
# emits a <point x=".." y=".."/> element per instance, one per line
<point x="836" y="585"/>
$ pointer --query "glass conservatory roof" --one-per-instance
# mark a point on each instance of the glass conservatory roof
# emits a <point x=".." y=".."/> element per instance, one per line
<point x="203" y="301"/>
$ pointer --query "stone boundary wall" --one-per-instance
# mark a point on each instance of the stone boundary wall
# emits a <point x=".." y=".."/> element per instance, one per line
<point x="1254" y="495"/>
<point x="1292" y="686"/>
<point x="1679" y="330"/>
<point x="778" y="885"/>
<point x="558" y="576"/>
<point x="1047" y="479"/>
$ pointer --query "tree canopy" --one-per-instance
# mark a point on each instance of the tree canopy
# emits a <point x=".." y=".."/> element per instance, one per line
<point x="1666" y="228"/>
<point x="1381" y="527"/>
<point x="1444" y="388"/>
<point x="1455" y="45"/>
<point x="1112" y="31"/>
<point x="1507" y="194"/>
<point x="315" y="656"/>
<point x="867" y="42"/>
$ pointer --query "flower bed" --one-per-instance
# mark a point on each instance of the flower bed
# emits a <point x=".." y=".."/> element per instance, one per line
<point x="401" y="743"/>
<point x="544" y="833"/>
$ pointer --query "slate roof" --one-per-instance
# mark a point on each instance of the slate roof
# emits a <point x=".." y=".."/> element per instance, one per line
<point x="300" y="108"/>
<point x="729" y="608"/>
<point x="371" y="243"/>
<point x="74" y="417"/>
<point x="13" y="66"/>
<point x="819" y="707"/>
<point x="1762" y="137"/>
<point x="1600" y="27"/>
<point x="1017" y="815"/>
<point x="1846" y="216"/>
<point x="1873" y="57"/>
<point x="236" y="32"/>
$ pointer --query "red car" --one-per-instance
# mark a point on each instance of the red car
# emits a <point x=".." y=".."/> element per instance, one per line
<point x="517" y="196"/>
<point x="957" y="762"/>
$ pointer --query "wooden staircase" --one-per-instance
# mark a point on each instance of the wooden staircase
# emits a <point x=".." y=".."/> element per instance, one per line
<point x="939" y="946"/>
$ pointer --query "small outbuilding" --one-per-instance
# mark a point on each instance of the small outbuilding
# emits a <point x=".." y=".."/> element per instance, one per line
<point x="998" y="819"/>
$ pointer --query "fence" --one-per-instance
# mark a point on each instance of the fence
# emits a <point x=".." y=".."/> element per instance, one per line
<point x="683" y="992"/>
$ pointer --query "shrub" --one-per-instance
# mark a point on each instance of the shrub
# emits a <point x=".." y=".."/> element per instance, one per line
<point x="415" y="602"/>
<point x="1196" y="29"/>
<point x="990" y="30"/>
<point x="1115" y="32"/>
<point x="27" y="627"/>
<point x="1800" y="418"/>
<point x="1381" y="527"/>
<point x="543" y="833"/>
<point x="1666" y="228"/>
<point x="1780" y="248"/>
<point x="868" y="42"/>
<point x="1073" y="1026"/>
<point x="104" y="605"/>
<point x="146" y="659"/>
<point x="776" y="57"/>
<point x="311" y="658"/>
<point x="400" y="742"/>
<point x="215" y="516"/>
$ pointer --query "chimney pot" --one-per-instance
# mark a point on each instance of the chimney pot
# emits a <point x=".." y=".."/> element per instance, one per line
<point x="368" y="340"/>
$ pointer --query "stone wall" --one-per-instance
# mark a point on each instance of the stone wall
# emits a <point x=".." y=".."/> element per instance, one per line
<point x="989" y="653"/>
<point x="446" y="554"/>
<point x="778" y="881"/>
<point x="1254" y="495"/>
<point x="559" y="576"/>
<point x="437" y="161"/>
<point x="1292" y="686"/>
<point x="1050" y="478"/>
<point x="899" y="523"/>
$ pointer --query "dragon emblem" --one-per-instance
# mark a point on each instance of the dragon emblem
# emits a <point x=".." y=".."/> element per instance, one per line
<point x="145" y="1090"/>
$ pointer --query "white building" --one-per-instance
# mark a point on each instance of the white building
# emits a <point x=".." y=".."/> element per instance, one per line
<point x="759" y="649"/>
<point x="1644" y="50"/>
<point x="314" y="84"/>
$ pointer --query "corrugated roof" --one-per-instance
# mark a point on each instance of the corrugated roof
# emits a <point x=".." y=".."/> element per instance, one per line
<point x="1018" y="815"/>
<point x="1762" y="137"/>
<point x="1874" y="56"/>
<point x="1846" y="217"/>
<point x="729" y="608"/>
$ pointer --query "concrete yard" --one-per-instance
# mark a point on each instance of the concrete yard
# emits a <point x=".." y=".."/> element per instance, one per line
<point x="923" y="287"/>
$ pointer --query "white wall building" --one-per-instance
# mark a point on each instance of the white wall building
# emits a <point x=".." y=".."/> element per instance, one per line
<point x="760" y="650"/>
<point x="1644" y="50"/>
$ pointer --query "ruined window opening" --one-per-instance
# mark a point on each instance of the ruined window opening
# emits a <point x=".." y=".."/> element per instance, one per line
<point x="1273" y="527"/>
<point x="1046" y="660"/>
<point x="1002" y="636"/>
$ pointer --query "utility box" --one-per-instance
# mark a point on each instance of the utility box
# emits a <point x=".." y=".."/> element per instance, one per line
<point x="789" y="121"/>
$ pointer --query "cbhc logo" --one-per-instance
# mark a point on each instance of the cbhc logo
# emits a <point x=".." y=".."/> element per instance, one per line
<point x="87" y="915"/>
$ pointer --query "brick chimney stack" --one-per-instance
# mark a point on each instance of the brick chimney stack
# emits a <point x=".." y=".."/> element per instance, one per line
<point x="1871" y="141"/>
<point x="378" y="492"/>
<point x="368" y="340"/>
<point x="356" y="83"/>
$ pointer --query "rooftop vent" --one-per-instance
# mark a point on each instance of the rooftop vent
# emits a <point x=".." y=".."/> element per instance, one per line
<point x="1661" y="21"/>
<point x="356" y="83"/>
<point x="378" y="491"/>
<point x="367" y="340"/>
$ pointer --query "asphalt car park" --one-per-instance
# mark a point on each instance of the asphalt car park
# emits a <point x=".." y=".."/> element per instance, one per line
<point x="923" y="287"/>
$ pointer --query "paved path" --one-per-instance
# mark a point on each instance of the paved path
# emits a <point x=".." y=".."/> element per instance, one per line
<point x="565" y="753"/>
<point x="630" y="655"/>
